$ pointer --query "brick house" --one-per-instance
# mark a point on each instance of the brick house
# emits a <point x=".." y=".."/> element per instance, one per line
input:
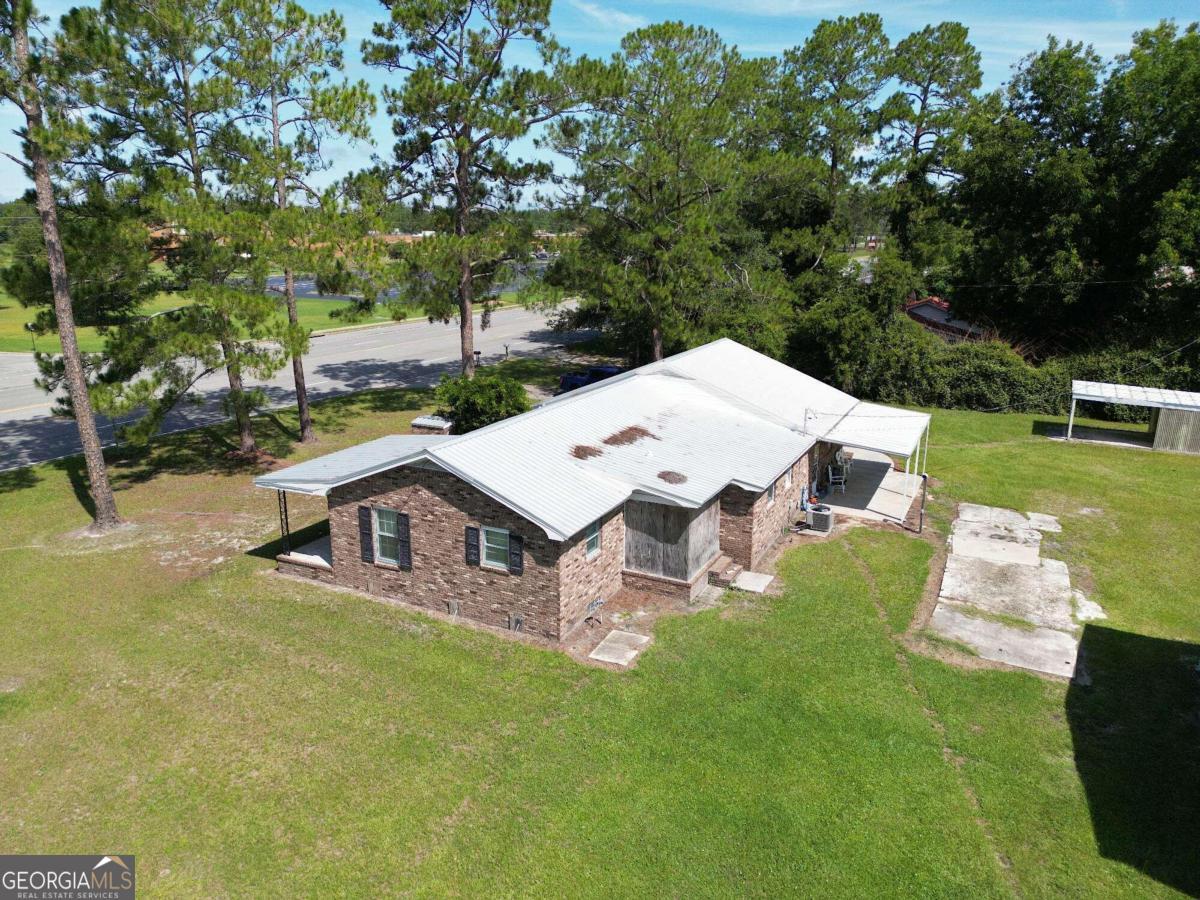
<point x="650" y="480"/>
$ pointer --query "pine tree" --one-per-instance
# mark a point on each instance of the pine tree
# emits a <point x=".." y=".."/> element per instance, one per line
<point x="30" y="78"/>
<point x="460" y="108"/>
<point x="285" y="65"/>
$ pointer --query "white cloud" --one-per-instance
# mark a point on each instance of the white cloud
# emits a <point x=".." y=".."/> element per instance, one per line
<point x="607" y="17"/>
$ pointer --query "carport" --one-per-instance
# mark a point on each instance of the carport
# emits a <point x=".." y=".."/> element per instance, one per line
<point x="884" y="429"/>
<point x="875" y="489"/>
<point x="1174" y="417"/>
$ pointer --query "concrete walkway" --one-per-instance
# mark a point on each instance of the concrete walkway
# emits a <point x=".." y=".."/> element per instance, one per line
<point x="1002" y="599"/>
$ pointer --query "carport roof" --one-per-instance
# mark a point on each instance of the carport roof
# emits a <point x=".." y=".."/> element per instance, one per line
<point x="1135" y="395"/>
<point x="870" y="426"/>
<point x="316" y="476"/>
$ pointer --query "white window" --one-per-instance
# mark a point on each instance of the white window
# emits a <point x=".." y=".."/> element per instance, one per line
<point x="771" y="493"/>
<point x="495" y="547"/>
<point x="787" y="478"/>
<point x="593" y="539"/>
<point x="387" y="537"/>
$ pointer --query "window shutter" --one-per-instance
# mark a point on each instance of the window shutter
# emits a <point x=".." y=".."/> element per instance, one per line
<point x="472" y="539"/>
<point x="516" y="554"/>
<point x="403" y="541"/>
<point x="366" y="539"/>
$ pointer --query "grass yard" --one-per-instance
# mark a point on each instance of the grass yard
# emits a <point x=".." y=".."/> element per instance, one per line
<point x="161" y="693"/>
<point x="313" y="314"/>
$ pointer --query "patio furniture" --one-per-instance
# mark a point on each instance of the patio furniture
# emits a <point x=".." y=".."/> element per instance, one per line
<point x="844" y="459"/>
<point x="837" y="479"/>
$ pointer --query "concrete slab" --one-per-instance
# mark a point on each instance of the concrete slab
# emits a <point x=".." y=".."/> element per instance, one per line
<point x="1039" y="594"/>
<point x="1043" y="522"/>
<point x="1087" y="610"/>
<point x="997" y="543"/>
<point x="619" y="647"/>
<point x="754" y="582"/>
<point x="875" y="491"/>
<point x="1040" y="649"/>
<point x="991" y="515"/>
<point x="315" y="553"/>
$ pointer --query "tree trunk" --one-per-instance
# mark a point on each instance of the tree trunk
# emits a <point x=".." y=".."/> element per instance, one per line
<point x="466" y="286"/>
<point x="466" y="321"/>
<point x="237" y="400"/>
<point x="105" y="516"/>
<point x="307" y="434"/>
<point x="656" y="336"/>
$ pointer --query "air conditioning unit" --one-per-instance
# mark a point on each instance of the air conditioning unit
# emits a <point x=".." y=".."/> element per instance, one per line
<point x="820" y="518"/>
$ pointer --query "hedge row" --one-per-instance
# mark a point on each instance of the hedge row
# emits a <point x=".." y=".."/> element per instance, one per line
<point x="903" y="364"/>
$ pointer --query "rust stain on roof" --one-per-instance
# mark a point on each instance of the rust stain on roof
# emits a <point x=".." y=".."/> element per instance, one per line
<point x="585" y="451"/>
<point x="630" y="434"/>
<point x="672" y="477"/>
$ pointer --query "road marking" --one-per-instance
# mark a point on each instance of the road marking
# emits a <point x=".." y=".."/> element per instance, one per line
<point x="23" y="408"/>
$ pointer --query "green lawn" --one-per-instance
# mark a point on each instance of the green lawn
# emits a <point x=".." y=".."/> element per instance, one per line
<point x="162" y="694"/>
<point x="313" y="313"/>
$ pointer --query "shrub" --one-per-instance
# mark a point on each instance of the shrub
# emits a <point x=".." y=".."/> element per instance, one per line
<point x="472" y="403"/>
<point x="897" y="361"/>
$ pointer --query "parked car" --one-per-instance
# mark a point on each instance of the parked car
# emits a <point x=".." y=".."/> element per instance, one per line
<point x="573" y="380"/>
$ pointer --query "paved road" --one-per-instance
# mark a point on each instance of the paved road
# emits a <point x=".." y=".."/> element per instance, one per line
<point x="412" y="353"/>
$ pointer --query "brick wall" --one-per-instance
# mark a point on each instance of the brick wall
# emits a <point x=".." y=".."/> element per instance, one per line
<point x="300" y="570"/>
<point x="820" y="458"/>
<point x="440" y="506"/>
<point x="674" y="588"/>
<point x="737" y="524"/>
<point x="583" y="580"/>
<point x="751" y="524"/>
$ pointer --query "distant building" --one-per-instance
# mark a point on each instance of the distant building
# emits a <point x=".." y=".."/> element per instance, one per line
<point x="933" y="314"/>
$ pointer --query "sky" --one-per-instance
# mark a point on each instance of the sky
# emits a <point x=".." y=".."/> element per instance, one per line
<point x="1003" y="32"/>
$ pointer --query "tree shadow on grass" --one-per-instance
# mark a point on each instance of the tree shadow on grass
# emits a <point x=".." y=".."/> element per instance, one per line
<point x="17" y="480"/>
<point x="1136" y="734"/>
<point x="75" y="469"/>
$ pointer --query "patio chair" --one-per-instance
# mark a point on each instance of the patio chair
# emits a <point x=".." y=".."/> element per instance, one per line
<point x="845" y="460"/>
<point x="837" y="479"/>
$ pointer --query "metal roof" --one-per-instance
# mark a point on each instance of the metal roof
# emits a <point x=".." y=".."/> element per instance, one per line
<point x="880" y="428"/>
<point x="316" y="476"/>
<point x="679" y="430"/>
<point x="1135" y="395"/>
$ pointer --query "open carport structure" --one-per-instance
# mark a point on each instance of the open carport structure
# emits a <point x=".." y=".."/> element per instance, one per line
<point x="1174" y="417"/>
<point x="878" y="436"/>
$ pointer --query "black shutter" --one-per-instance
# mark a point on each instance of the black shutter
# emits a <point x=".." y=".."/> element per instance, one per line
<point x="366" y="540"/>
<point x="472" y="539"/>
<point x="403" y="541"/>
<point x="516" y="554"/>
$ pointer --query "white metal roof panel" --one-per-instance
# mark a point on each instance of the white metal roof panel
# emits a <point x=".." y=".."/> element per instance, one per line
<point x="880" y="428"/>
<point x="1135" y="395"/>
<point x="317" y="476"/>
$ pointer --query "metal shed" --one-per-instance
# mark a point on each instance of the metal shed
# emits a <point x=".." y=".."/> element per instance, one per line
<point x="1175" y="416"/>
